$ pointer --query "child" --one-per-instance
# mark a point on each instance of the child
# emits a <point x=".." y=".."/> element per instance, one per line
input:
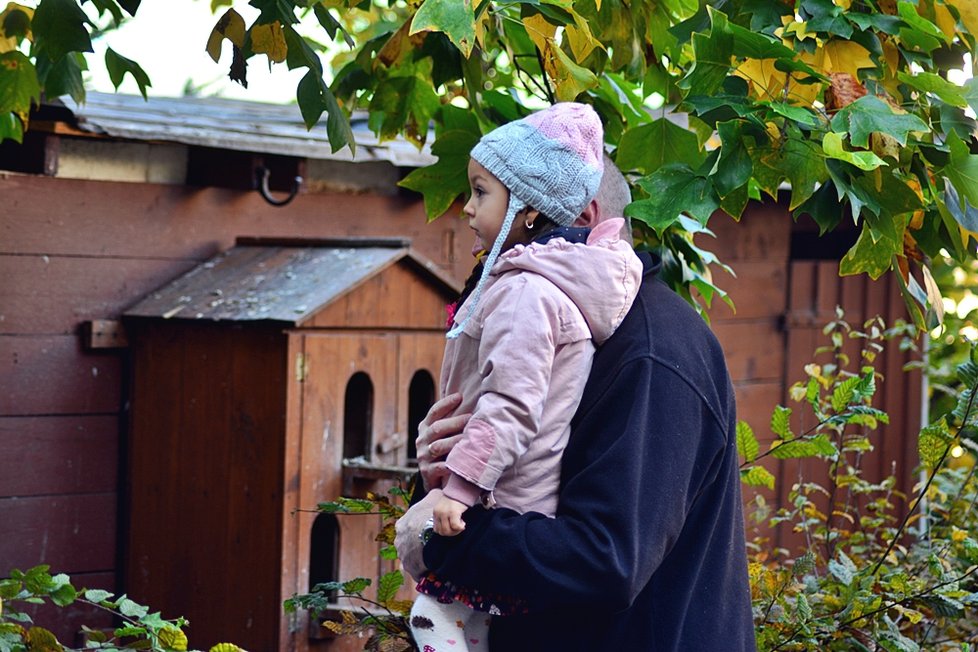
<point x="522" y="340"/>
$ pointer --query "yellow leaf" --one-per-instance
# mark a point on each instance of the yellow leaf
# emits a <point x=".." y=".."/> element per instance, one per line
<point x="763" y="78"/>
<point x="958" y="535"/>
<point x="570" y="79"/>
<point x="846" y="56"/>
<point x="230" y="26"/>
<point x="173" y="639"/>
<point x="944" y="20"/>
<point x="539" y="31"/>
<point x="225" y="647"/>
<point x="843" y="3"/>
<point x="969" y="13"/>
<point x="268" y="39"/>
<point x="41" y="640"/>
<point x="8" y="43"/>
<point x="582" y="41"/>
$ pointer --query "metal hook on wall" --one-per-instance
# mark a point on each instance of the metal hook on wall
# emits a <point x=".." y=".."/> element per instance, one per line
<point x="261" y="184"/>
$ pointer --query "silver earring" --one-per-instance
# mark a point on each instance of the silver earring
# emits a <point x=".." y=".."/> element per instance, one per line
<point x="528" y="224"/>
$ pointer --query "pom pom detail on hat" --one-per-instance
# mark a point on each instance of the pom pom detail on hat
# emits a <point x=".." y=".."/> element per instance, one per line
<point x="551" y="160"/>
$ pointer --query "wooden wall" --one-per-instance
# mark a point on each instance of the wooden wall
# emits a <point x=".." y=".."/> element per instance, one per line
<point x="77" y="250"/>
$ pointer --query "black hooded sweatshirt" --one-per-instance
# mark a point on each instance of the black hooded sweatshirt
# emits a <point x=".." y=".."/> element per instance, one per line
<point x="647" y="551"/>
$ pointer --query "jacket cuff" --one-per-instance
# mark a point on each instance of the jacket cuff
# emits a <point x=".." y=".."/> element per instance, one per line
<point x="460" y="489"/>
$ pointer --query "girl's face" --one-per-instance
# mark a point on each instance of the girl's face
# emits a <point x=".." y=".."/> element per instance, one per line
<point x="486" y="209"/>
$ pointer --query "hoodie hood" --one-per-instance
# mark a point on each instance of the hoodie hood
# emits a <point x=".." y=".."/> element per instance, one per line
<point x="601" y="277"/>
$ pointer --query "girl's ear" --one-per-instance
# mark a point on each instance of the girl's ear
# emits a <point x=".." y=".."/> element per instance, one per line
<point x="529" y="216"/>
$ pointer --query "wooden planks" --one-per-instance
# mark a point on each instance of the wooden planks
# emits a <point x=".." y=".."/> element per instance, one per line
<point x="53" y="216"/>
<point x="53" y="295"/>
<point x="62" y="455"/>
<point x="71" y="533"/>
<point x="52" y="375"/>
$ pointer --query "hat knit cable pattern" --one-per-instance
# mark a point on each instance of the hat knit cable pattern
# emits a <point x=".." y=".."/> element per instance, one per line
<point x="551" y="160"/>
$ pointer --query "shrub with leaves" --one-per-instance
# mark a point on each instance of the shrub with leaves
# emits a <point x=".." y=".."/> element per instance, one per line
<point x="384" y="618"/>
<point x="864" y="579"/>
<point x="139" y="629"/>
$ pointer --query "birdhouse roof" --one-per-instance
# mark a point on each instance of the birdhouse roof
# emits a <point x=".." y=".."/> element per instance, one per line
<point x="286" y="281"/>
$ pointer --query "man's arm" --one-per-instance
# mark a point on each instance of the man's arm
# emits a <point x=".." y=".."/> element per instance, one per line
<point x="632" y="469"/>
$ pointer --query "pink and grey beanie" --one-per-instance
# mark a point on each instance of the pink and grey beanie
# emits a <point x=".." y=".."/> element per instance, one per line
<point x="551" y="160"/>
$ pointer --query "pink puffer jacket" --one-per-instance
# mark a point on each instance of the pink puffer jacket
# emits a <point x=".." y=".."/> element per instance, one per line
<point x="523" y="359"/>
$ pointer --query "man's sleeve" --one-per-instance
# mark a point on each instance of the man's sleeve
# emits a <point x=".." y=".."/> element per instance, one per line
<point x="633" y="467"/>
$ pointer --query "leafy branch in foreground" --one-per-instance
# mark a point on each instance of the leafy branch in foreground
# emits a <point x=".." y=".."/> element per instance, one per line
<point x="861" y="579"/>
<point x="383" y="618"/>
<point x="140" y="629"/>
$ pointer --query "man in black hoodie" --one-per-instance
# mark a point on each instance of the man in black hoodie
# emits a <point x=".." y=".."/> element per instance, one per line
<point x="646" y="552"/>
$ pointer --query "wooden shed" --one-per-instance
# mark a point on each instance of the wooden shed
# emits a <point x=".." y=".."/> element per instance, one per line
<point x="272" y="378"/>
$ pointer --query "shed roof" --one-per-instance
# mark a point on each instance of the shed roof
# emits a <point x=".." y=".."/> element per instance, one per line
<point x="280" y="280"/>
<point x="234" y="124"/>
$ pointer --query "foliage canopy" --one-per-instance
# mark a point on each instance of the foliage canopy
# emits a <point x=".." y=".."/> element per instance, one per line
<point x="844" y="106"/>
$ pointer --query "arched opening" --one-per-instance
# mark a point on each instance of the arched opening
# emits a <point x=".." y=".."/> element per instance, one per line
<point x="358" y="411"/>
<point x="421" y="396"/>
<point x="324" y="552"/>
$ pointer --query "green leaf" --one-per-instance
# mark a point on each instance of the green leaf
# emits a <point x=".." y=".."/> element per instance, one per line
<point x="843" y="569"/>
<point x="403" y="105"/>
<point x="356" y="585"/>
<point x="734" y="166"/>
<point x="64" y="77"/>
<point x="869" y="255"/>
<point x="96" y="595"/>
<point x="648" y="147"/>
<point x="868" y="114"/>
<point x="713" y="56"/>
<point x="129" y="608"/>
<point x="331" y="25"/>
<point x="453" y="17"/>
<point x="928" y="82"/>
<point x="757" y="476"/>
<point x="781" y="422"/>
<point x="933" y="442"/>
<point x="388" y="585"/>
<point x="444" y="181"/>
<point x="747" y="446"/>
<point x="117" y="66"/>
<point x="314" y="97"/>
<point x="674" y="189"/>
<point x="59" y="27"/>
<point x="961" y="169"/>
<point x="64" y="595"/>
<point x="19" y="88"/>
<point x="833" y="148"/>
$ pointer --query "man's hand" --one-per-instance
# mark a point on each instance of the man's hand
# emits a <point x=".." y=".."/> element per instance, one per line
<point x="448" y="517"/>
<point x="437" y="434"/>
<point x="407" y="534"/>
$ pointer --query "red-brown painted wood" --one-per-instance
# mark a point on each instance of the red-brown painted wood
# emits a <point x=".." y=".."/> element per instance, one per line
<point x="72" y="533"/>
<point x="52" y="375"/>
<point x="58" y="455"/>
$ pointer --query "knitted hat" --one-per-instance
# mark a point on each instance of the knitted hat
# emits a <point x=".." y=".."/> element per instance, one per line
<point x="550" y="160"/>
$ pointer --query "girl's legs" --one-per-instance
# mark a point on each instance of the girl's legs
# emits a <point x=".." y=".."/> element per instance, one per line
<point x="439" y="627"/>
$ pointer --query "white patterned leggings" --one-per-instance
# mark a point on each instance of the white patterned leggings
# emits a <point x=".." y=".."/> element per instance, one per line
<point x="439" y="627"/>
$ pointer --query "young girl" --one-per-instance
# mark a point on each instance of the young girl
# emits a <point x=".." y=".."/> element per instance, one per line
<point x="521" y="342"/>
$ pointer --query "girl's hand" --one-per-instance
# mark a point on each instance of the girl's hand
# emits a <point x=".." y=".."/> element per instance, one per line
<point x="448" y="517"/>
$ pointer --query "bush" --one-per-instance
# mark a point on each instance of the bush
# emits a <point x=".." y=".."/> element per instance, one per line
<point x="864" y="580"/>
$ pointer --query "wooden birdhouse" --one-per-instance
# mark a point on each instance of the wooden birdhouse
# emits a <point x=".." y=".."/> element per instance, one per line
<point x="276" y="376"/>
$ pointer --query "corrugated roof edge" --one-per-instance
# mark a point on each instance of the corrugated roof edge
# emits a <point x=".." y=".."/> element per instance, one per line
<point x="236" y="125"/>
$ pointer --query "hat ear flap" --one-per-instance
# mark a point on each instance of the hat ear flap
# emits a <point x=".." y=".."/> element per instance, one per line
<point x="515" y="206"/>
